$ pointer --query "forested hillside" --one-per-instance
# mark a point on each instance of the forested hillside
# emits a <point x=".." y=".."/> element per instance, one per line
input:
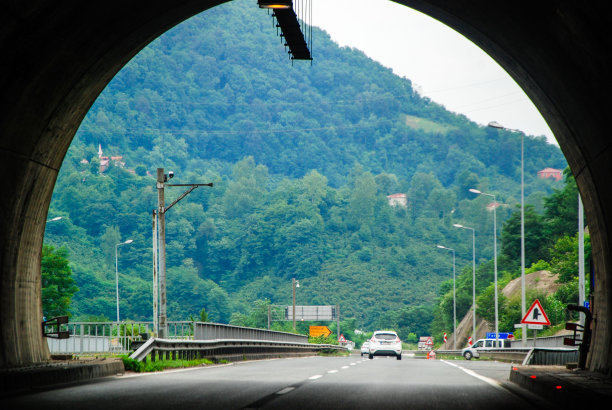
<point x="302" y="158"/>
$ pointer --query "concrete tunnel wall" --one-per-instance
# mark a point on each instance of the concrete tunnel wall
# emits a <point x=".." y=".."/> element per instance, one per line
<point x="59" y="56"/>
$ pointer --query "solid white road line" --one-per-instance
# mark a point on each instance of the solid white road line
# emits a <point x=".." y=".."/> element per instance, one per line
<point x="472" y="373"/>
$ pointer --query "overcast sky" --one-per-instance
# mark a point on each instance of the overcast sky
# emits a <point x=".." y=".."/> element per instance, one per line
<point x="441" y="63"/>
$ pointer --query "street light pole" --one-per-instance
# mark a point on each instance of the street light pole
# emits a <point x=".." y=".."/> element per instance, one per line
<point x="454" y="299"/>
<point x="162" y="180"/>
<point x="494" y="257"/>
<point x="294" y="284"/>
<point x="473" y="277"/>
<point x="117" y="273"/>
<point x="494" y="124"/>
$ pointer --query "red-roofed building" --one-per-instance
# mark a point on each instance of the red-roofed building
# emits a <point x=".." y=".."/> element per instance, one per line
<point x="105" y="161"/>
<point x="556" y="174"/>
<point x="397" y="200"/>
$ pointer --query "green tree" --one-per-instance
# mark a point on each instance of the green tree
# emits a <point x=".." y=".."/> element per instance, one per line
<point x="561" y="215"/>
<point x="58" y="286"/>
<point x="564" y="257"/>
<point x="535" y="239"/>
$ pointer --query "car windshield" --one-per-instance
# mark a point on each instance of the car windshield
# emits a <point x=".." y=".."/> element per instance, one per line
<point x="385" y="336"/>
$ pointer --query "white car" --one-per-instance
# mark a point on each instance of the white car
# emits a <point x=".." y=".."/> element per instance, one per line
<point x="482" y="345"/>
<point x="385" y="343"/>
<point x="365" y="348"/>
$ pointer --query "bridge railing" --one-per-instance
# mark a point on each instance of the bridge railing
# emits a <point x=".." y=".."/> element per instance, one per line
<point x="111" y="337"/>
<point x="119" y="338"/>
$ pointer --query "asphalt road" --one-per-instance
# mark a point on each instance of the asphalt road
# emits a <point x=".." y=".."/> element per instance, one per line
<point x="302" y="383"/>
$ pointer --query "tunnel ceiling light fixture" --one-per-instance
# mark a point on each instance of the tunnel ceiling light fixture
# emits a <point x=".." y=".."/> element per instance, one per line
<point x="267" y="4"/>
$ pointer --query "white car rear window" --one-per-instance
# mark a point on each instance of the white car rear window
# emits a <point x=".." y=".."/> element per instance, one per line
<point x="385" y="336"/>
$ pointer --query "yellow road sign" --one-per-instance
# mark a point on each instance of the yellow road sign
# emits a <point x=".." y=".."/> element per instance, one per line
<point x="316" y="331"/>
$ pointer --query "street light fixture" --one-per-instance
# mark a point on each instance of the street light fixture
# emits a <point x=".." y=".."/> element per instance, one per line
<point x="473" y="277"/>
<point x="475" y="191"/>
<point x="117" y="273"/>
<point x="495" y="124"/>
<point x="454" y="299"/>
<point x="57" y="218"/>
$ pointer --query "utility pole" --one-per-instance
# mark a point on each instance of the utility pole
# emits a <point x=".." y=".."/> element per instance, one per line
<point x="161" y="249"/>
<point x="162" y="180"/>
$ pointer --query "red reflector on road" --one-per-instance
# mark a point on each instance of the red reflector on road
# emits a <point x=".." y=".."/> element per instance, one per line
<point x="533" y="376"/>
<point x="515" y="369"/>
<point x="559" y="387"/>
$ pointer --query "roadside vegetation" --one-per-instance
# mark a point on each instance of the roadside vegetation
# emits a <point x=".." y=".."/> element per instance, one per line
<point x="159" y="365"/>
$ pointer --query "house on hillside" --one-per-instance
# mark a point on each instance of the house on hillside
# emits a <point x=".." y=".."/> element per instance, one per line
<point x="105" y="161"/>
<point x="556" y="174"/>
<point x="398" y="200"/>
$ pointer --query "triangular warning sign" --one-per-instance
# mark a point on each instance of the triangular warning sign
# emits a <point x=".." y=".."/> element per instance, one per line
<point x="341" y="339"/>
<point x="536" y="315"/>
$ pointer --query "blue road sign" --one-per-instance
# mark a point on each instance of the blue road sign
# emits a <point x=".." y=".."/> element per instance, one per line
<point x="502" y="335"/>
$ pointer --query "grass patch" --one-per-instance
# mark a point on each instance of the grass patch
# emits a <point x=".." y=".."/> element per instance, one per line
<point x="159" y="365"/>
<point x="426" y="125"/>
<point x="448" y="356"/>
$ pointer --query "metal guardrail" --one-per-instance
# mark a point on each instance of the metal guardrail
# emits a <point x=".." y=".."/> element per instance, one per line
<point x="159" y="349"/>
<point x="214" y="331"/>
<point x="219" y="341"/>
<point x="546" y="341"/>
<point x="511" y="355"/>
<point x="546" y="356"/>
<point x="551" y="356"/>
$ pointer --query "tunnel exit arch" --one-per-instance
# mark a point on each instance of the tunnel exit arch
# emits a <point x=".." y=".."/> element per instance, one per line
<point x="60" y="56"/>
